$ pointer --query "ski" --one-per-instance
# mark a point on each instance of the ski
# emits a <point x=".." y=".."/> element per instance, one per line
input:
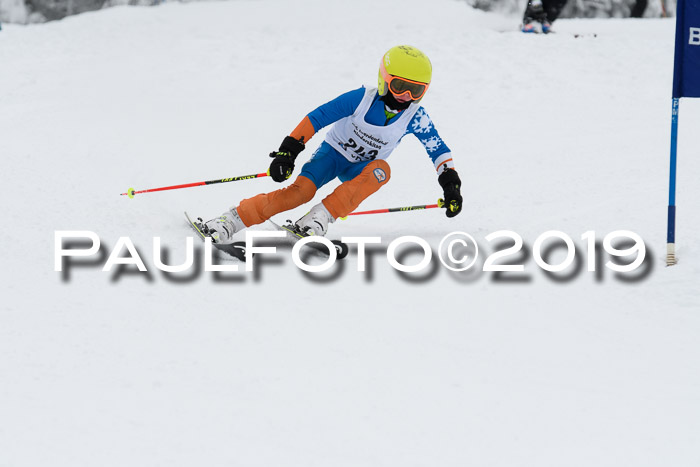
<point x="235" y="249"/>
<point x="295" y="235"/>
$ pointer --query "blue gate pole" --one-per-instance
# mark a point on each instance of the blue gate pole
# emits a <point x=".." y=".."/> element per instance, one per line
<point x="671" y="225"/>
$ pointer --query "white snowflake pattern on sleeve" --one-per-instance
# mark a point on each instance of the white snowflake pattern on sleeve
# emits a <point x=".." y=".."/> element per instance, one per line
<point x="432" y="144"/>
<point x="423" y="128"/>
<point x="421" y="123"/>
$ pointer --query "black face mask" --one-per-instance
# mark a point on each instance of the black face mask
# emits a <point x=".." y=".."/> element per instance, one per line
<point x="393" y="104"/>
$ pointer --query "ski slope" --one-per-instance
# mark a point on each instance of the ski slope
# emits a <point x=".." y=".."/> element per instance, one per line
<point x="344" y="368"/>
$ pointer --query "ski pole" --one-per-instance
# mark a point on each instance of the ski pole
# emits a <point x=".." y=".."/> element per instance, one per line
<point x="440" y="204"/>
<point x="131" y="192"/>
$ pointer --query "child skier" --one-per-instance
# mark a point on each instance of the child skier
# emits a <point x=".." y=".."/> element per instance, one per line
<point x="369" y="124"/>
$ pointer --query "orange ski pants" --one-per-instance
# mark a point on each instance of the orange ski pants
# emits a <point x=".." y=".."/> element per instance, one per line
<point x="344" y="199"/>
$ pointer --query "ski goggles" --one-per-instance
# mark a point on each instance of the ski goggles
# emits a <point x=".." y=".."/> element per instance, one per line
<point x="400" y="86"/>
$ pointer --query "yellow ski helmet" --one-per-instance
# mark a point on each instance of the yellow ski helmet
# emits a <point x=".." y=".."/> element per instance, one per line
<point x="405" y="69"/>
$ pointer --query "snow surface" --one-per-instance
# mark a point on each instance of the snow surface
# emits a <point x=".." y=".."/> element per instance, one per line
<point x="363" y="369"/>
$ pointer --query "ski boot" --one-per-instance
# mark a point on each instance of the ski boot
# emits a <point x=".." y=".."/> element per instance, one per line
<point x="316" y="221"/>
<point x="221" y="229"/>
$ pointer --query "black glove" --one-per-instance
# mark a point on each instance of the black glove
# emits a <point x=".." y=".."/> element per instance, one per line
<point x="282" y="165"/>
<point x="450" y="183"/>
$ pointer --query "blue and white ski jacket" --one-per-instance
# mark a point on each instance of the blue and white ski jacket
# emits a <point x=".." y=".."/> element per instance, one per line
<point x="347" y="110"/>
